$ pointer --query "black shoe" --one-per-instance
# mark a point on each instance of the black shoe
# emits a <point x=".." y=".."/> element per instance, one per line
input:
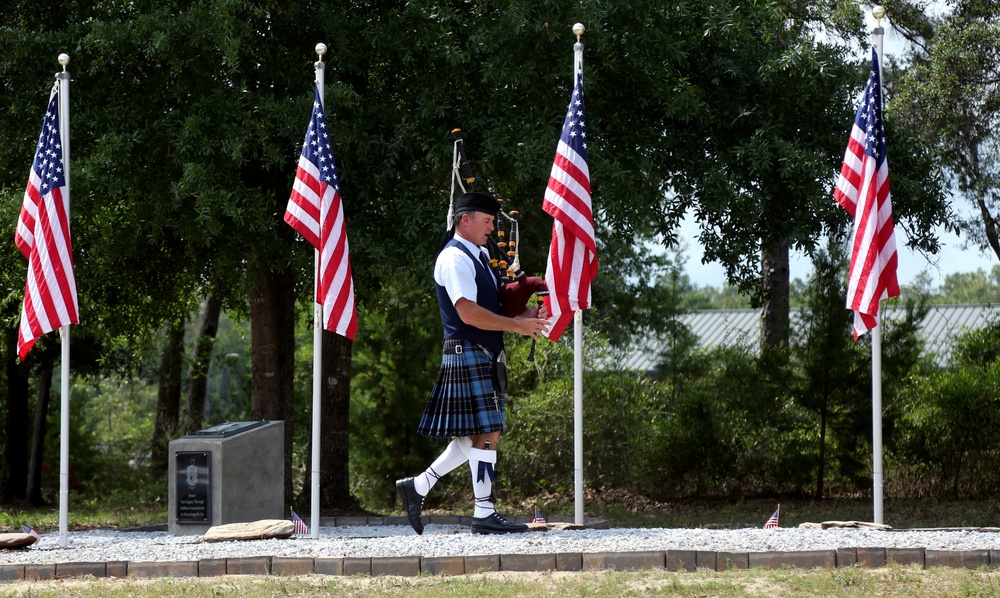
<point x="495" y="524"/>
<point x="412" y="503"/>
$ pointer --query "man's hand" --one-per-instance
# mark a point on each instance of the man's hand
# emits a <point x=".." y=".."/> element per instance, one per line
<point x="530" y="326"/>
<point x="534" y="312"/>
<point x="527" y="324"/>
<point x="539" y="313"/>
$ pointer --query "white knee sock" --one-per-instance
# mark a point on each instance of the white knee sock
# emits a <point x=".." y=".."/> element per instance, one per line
<point x="454" y="455"/>
<point x="481" y="463"/>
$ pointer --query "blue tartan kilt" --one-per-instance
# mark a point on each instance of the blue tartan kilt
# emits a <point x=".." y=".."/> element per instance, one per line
<point x="463" y="402"/>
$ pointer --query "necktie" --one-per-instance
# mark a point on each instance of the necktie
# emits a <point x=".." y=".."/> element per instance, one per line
<point x="486" y="264"/>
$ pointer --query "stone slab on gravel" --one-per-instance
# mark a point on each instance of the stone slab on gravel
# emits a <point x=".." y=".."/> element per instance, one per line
<point x="16" y="540"/>
<point x="265" y="529"/>
<point x="845" y="525"/>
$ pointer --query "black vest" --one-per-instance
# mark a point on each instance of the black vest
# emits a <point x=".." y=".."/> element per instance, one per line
<point x="487" y="296"/>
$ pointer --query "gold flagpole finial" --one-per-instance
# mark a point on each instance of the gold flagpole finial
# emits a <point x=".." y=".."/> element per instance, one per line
<point x="578" y="29"/>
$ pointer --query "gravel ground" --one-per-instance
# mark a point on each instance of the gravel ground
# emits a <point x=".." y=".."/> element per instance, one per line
<point x="446" y="540"/>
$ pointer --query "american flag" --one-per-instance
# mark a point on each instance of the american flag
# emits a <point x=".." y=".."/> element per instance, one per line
<point x="863" y="190"/>
<point x="299" y="525"/>
<point x="773" y="521"/>
<point x="30" y="530"/>
<point x="43" y="237"/>
<point x="572" y="261"/>
<point x="316" y="212"/>
<point x="538" y="518"/>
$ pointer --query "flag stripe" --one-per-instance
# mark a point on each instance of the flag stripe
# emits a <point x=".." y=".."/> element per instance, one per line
<point x="25" y="237"/>
<point x="568" y="195"/>
<point x="863" y="190"/>
<point x="572" y="260"/>
<point x="299" y="526"/>
<point x="53" y="254"/>
<point x="43" y="237"/>
<point x="846" y="192"/>
<point x="31" y="531"/>
<point x="315" y="211"/>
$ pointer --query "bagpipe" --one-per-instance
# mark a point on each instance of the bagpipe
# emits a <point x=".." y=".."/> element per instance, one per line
<point x="516" y="286"/>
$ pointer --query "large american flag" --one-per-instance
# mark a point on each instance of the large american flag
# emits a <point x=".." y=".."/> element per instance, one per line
<point x="317" y="213"/>
<point x="572" y="261"/>
<point x="863" y="190"/>
<point x="43" y="237"/>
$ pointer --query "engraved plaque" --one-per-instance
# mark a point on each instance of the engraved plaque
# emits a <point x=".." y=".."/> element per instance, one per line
<point x="194" y="487"/>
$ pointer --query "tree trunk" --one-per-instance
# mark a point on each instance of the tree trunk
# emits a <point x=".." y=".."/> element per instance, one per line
<point x="272" y="329"/>
<point x="14" y="472"/>
<point x="774" y="312"/>
<point x="168" y="398"/>
<point x="335" y="415"/>
<point x="34" y="485"/>
<point x="201" y="358"/>
<point x="958" y="475"/>
<point x="821" y="475"/>
<point x="989" y="223"/>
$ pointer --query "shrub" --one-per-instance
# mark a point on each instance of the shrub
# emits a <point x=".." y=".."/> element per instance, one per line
<point x="724" y="434"/>
<point x="947" y="430"/>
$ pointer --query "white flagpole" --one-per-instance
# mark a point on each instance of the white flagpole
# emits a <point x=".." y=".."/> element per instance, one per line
<point x="578" y="348"/>
<point x="317" y="346"/>
<point x="578" y="417"/>
<point x="63" y="78"/>
<point x="877" y="422"/>
<point x="877" y="34"/>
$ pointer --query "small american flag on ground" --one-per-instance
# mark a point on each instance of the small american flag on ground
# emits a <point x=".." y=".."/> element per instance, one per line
<point x="30" y="530"/>
<point x="538" y="518"/>
<point x="773" y="521"/>
<point x="300" y="526"/>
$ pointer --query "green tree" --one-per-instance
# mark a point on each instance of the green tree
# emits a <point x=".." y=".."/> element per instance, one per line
<point x="948" y="96"/>
<point x="835" y="380"/>
<point x="962" y="288"/>
<point x="190" y="115"/>
<point x="831" y="374"/>
<point x="947" y="421"/>
<point x="394" y="370"/>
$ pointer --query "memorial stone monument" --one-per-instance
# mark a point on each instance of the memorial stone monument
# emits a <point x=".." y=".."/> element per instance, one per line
<point x="229" y="473"/>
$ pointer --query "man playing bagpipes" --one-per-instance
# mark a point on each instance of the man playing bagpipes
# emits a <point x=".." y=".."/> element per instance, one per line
<point x="467" y="402"/>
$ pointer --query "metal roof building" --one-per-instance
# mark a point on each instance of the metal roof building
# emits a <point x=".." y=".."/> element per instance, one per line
<point x="727" y="327"/>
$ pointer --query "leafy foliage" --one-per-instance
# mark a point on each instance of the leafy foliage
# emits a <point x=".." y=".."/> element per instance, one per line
<point x="949" y="97"/>
<point x="188" y="116"/>
<point x="946" y="434"/>
<point x="394" y="365"/>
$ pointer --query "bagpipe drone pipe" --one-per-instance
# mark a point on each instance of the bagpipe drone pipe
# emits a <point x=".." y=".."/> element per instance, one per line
<point x="516" y="287"/>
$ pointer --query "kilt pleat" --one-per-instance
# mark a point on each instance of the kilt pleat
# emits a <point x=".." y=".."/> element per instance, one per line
<point x="463" y="402"/>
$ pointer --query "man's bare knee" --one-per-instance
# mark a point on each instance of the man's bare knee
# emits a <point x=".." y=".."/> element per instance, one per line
<point x="479" y="441"/>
